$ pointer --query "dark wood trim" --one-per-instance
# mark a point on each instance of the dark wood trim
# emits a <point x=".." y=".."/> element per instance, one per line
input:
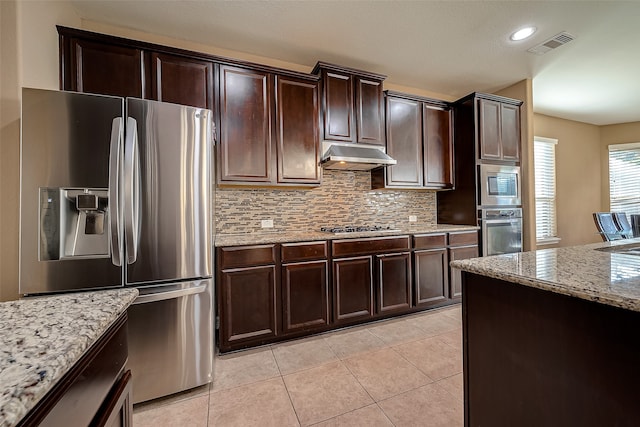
<point x="430" y="101"/>
<point x="74" y="32"/>
<point x="490" y="97"/>
<point x="341" y="69"/>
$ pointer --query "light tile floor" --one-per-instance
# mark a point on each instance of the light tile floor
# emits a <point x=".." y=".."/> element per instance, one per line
<point x="399" y="372"/>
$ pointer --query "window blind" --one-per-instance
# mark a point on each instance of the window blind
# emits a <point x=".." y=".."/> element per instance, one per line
<point x="624" y="178"/>
<point x="545" y="182"/>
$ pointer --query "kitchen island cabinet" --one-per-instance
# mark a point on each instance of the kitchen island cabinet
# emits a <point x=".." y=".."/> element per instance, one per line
<point x="553" y="334"/>
<point x="64" y="360"/>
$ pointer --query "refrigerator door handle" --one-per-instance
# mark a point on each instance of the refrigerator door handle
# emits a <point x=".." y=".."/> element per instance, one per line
<point x="115" y="166"/>
<point x="131" y="191"/>
<point x="161" y="296"/>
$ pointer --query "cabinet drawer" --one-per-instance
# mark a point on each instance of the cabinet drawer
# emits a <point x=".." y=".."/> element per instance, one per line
<point x="429" y="241"/>
<point x="243" y="256"/>
<point x="368" y="246"/>
<point x="463" y="238"/>
<point x="303" y="251"/>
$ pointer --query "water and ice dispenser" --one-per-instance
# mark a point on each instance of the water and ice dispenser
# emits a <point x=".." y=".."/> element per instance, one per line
<point x="74" y="223"/>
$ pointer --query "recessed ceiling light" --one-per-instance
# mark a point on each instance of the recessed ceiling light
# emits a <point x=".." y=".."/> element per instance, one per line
<point x="523" y="33"/>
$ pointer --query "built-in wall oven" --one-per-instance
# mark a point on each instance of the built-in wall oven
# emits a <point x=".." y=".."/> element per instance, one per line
<point x="501" y="231"/>
<point x="499" y="185"/>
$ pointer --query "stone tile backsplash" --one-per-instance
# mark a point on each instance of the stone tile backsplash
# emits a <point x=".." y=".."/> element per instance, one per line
<point x="344" y="198"/>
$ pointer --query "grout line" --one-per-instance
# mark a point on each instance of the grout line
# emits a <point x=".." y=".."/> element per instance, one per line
<point x="385" y="414"/>
<point x="291" y="400"/>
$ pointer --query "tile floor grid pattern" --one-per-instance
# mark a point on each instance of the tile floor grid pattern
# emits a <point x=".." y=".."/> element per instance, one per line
<point x="399" y="372"/>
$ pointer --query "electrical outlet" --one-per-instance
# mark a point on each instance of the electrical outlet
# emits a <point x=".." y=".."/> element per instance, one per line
<point x="267" y="223"/>
<point x="413" y="218"/>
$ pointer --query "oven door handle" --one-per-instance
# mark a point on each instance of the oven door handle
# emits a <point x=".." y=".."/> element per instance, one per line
<point x="501" y="221"/>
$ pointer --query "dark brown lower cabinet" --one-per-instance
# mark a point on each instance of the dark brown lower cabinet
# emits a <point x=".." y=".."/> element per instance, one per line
<point x="431" y="276"/>
<point x="455" y="281"/>
<point x="271" y="292"/>
<point x="352" y="289"/>
<point x="249" y="306"/>
<point x="305" y="296"/>
<point x="393" y="290"/>
<point x="117" y="410"/>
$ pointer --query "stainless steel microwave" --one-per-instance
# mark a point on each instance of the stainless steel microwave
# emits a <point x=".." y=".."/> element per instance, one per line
<point x="499" y="185"/>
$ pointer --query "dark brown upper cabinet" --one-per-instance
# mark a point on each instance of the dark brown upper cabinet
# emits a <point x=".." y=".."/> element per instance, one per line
<point x="437" y="145"/>
<point x="268" y="128"/>
<point x="93" y="66"/>
<point x="352" y="104"/>
<point x="297" y="130"/>
<point x="419" y="138"/>
<point x="498" y="121"/>
<point x="182" y="80"/>
<point x="246" y="152"/>
<point x="108" y="65"/>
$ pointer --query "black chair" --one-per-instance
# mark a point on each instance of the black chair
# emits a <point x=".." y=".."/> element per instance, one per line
<point x="606" y="226"/>
<point x="622" y="223"/>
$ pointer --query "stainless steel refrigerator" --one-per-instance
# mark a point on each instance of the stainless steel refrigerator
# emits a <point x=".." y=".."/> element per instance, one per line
<point x="118" y="192"/>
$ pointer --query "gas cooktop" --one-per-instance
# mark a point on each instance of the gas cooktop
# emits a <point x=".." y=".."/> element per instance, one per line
<point x="357" y="229"/>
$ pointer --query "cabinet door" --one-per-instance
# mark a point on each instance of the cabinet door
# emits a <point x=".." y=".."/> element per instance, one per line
<point x="182" y="80"/>
<point x="393" y="282"/>
<point x="431" y="276"/>
<point x="463" y="252"/>
<point x="338" y="106"/>
<point x="438" y="147"/>
<point x="352" y="289"/>
<point x="245" y="125"/>
<point x="510" y="131"/>
<point x="105" y="69"/>
<point x="404" y="142"/>
<point x="297" y="131"/>
<point x="369" y="111"/>
<point x="305" y="296"/>
<point x="248" y="305"/>
<point x="489" y="129"/>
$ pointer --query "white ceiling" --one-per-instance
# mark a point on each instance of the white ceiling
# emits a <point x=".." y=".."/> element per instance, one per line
<point x="448" y="47"/>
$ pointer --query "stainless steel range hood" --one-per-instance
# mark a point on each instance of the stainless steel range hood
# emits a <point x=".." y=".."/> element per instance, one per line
<point x="353" y="157"/>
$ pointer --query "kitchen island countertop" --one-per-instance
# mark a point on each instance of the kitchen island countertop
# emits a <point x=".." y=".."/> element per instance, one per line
<point x="41" y="338"/>
<point x="585" y="272"/>
<point x="241" y="239"/>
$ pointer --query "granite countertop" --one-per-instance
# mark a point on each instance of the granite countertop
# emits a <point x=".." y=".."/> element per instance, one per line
<point x="240" y="239"/>
<point x="581" y="271"/>
<point x="41" y="338"/>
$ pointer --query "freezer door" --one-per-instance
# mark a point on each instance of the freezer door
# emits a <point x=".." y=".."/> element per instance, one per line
<point x="171" y="338"/>
<point x="167" y="192"/>
<point x="70" y="146"/>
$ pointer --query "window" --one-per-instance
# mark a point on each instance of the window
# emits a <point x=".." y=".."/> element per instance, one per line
<point x="544" y="150"/>
<point x="624" y="178"/>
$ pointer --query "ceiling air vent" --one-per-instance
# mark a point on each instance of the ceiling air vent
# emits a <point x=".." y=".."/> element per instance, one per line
<point x="554" y="42"/>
